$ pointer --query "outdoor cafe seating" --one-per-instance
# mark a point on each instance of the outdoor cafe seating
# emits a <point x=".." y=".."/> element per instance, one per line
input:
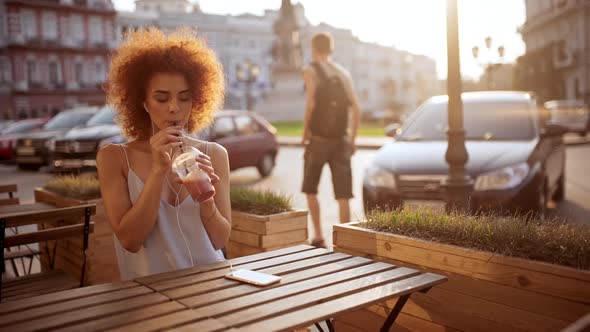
<point x="316" y="285"/>
<point x="17" y="246"/>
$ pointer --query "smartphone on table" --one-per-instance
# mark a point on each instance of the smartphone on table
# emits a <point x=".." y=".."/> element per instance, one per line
<point x="253" y="277"/>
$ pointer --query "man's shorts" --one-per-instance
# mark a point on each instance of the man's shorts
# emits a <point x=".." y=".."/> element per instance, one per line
<point x="335" y="152"/>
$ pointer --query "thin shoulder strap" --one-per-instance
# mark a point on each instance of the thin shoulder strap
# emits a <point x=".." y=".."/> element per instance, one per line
<point x="207" y="147"/>
<point x="126" y="157"/>
<point x="320" y="71"/>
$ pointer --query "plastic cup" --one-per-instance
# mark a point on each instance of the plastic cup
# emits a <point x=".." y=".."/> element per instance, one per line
<point x="196" y="181"/>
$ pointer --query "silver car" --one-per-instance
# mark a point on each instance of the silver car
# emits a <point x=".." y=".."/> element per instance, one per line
<point x="572" y="114"/>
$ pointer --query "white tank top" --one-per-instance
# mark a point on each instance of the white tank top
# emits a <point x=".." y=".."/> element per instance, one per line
<point x="165" y="249"/>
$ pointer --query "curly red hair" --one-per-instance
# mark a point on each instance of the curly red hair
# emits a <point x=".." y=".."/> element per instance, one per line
<point x="148" y="51"/>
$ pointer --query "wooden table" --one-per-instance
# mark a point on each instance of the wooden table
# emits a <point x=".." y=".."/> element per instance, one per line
<point x="317" y="284"/>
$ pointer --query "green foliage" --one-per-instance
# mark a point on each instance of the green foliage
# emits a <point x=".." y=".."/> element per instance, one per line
<point x="548" y="241"/>
<point x="78" y="187"/>
<point x="295" y="128"/>
<point x="259" y="202"/>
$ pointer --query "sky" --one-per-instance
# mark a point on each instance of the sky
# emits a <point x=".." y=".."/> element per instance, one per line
<point x="417" y="26"/>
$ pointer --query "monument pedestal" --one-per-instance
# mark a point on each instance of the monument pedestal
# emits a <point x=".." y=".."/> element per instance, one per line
<point x="286" y="101"/>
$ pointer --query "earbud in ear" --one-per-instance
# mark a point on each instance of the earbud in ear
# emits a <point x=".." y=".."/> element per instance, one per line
<point x="146" y="109"/>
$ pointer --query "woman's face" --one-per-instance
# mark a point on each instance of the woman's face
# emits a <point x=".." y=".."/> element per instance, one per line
<point x="168" y="100"/>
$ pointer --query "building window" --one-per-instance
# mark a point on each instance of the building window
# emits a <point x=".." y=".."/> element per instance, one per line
<point x="100" y="74"/>
<point x="54" y="73"/>
<point x="2" y="25"/>
<point x="79" y="71"/>
<point x="29" y="24"/>
<point x="31" y="71"/>
<point x="96" y="30"/>
<point x="77" y="28"/>
<point x="5" y="71"/>
<point x="50" y="25"/>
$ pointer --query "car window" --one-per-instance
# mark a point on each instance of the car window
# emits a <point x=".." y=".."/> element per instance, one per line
<point x="223" y="127"/>
<point x="482" y="121"/>
<point x="105" y="116"/>
<point x="66" y="120"/>
<point x="246" y="125"/>
<point x="20" y="127"/>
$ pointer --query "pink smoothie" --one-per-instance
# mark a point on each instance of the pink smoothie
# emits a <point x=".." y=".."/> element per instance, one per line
<point x="199" y="186"/>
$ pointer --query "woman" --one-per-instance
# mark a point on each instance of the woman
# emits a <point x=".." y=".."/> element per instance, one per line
<point x="159" y="84"/>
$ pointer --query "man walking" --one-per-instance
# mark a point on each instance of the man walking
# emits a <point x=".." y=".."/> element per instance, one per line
<point x="330" y="127"/>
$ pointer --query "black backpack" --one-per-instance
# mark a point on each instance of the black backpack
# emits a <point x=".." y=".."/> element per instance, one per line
<point x="330" y="114"/>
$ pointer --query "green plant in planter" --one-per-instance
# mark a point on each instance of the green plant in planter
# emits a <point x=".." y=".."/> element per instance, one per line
<point x="261" y="202"/>
<point x="78" y="187"/>
<point x="548" y="241"/>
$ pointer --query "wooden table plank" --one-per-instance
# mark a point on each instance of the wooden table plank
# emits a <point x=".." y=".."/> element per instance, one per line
<point x="293" y="303"/>
<point x="322" y="311"/>
<point x="63" y="296"/>
<point x="56" y="322"/>
<point x="220" y="283"/>
<point x="207" y="325"/>
<point x="244" y="289"/>
<point x="69" y="305"/>
<point x="257" y="265"/>
<point x="170" y="321"/>
<point x="311" y="285"/>
<point x="126" y="318"/>
<point x="18" y="208"/>
<point x="149" y="280"/>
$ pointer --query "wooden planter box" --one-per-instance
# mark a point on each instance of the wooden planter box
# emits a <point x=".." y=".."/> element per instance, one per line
<point x="101" y="259"/>
<point x="485" y="292"/>
<point x="253" y="234"/>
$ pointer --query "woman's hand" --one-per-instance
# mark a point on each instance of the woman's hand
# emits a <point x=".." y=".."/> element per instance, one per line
<point x="162" y="145"/>
<point x="204" y="164"/>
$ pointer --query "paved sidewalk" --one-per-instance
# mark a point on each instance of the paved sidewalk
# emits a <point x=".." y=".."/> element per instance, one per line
<point x="373" y="143"/>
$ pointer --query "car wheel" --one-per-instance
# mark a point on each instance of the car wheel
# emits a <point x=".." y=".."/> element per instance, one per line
<point x="266" y="165"/>
<point x="29" y="167"/>
<point x="559" y="194"/>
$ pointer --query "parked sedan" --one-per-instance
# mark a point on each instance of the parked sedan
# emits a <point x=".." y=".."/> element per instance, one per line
<point x="32" y="150"/>
<point x="77" y="149"/>
<point x="11" y="133"/>
<point x="249" y="139"/>
<point x="516" y="164"/>
<point x="572" y="114"/>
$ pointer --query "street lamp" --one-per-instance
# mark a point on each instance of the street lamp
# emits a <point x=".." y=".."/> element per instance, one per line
<point x="247" y="72"/>
<point x="458" y="184"/>
<point x="490" y="65"/>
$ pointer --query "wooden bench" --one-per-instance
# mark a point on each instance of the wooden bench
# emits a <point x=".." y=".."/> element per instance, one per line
<point x="51" y="281"/>
<point x="19" y="253"/>
<point x="11" y="190"/>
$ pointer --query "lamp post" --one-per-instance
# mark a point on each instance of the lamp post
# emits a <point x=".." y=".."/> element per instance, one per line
<point x="489" y="66"/>
<point x="247" y="72"/>
<point x="458" y="184"/>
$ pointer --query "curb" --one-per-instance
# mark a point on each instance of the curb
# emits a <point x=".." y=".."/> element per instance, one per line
<point x="365" y="146"/>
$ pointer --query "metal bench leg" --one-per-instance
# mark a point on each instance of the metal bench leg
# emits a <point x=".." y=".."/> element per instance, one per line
<point x="328" y="323"/>
<point x="330" y="326"/>
<point x="2" y="236"/>
<point x="399" y="305"/>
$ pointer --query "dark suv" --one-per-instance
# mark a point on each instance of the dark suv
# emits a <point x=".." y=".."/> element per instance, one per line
<point x="517" y="161"/>
<point x="32" y="150"/>
<point x="78" y="147"/>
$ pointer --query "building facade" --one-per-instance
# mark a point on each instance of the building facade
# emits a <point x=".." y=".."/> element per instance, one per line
<point x="556" y="64"/>
<point x="54" y="54"/>
<point x="384" y="76"/>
